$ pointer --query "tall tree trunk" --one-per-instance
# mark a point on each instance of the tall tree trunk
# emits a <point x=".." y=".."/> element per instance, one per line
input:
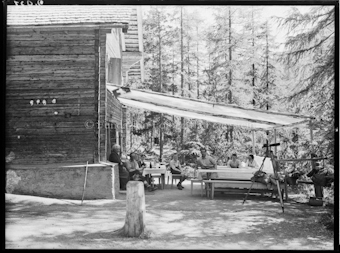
<point x="267" y="79"/>
<point x="182" y="77"/>
<point x="231" y="128"/>
<point x="197" y="61"/>
<point x="197" y="81"/>
<point x="189" y="84"/>
<point x="161" y="88"/>
<point x="253" y="44"/>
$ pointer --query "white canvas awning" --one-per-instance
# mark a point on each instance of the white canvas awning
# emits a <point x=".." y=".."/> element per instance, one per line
<point x="213" y="112"/>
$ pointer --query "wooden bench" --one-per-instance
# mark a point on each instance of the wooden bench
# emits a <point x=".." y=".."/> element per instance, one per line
<point x="231" y="186"/>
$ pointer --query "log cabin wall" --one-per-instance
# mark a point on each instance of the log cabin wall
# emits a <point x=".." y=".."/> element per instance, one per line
<point x="47" y="64"/>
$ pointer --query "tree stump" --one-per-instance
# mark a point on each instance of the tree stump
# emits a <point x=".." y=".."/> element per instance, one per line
<point x="135" y="210"/>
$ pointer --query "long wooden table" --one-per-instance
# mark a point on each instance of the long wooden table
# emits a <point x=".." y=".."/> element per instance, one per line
<point x="231" y="179"/>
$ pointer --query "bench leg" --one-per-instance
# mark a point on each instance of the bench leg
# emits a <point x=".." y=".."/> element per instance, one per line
<point x="201" y="189"/>
<point x="212" y="190"/>
<point x="191" y="186"/>
<point x="286" y="191"/>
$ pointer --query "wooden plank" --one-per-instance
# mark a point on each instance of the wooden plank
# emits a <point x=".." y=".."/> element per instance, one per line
<point x="48" y="85"/>
<point x="49" y="71"/>
<point x="28" y="31"/>
<point x="52" y="150"/>
<point x="83" y="102"/>
<point x="130" y="40"/>
<point x="62" y="158"/>
<point x="49" y="43"/>
<point x="51" y="64"/>
<point x="59" y="76"/>
<point x="51" y="92"/>
<point x="131" y="45"/>
<point x="56" y="58"/>
<point x="49" y="67"/>
<point x="49" y="112"/>
<point x="54" y="130"/>
<point x="52" y="36"/>
<point x="52" y="50"/>
<point x="43" y="124"/>
<point x="57" y="139"/>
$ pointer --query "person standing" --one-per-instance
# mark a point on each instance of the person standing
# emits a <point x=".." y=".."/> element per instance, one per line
<point x="207" y="162"/>
<point x="176" y="168"/>
<point x="115" y="157"/>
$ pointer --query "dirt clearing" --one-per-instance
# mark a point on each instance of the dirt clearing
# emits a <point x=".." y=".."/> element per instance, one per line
<point x="174" y="220"/>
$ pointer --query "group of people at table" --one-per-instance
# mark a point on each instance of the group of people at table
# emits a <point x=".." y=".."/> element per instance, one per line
<point x="132" y="169"/>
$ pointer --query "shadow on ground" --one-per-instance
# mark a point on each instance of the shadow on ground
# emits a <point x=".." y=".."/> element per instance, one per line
<point x="175" y="219"/>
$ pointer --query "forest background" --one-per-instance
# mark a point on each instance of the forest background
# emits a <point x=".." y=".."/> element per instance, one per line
<point x="277" y="58"/>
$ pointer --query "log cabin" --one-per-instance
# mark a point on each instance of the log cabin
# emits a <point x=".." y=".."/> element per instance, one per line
<point x="59" y="114"/>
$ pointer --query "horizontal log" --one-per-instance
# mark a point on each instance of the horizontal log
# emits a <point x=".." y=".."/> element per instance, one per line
<point x="60" y="85"/>
<point x="52" y="149"/>
<point x="85" y="123"/>
<point x="28" y="31"/>
<point x="49" y="77"/>
<point x="52" y="64"/>
<point x="49" y="43"/>
<point x="54" y="119"/>
<point x="53" y="50"/>
<point x="42" y="130"/>
<point x="49" y="112"/>
<point x="83" y="102"/>
<point x="49" y="71"/>
<point x="30" y="160"/>
<point x="56" y="58"/>
<point x="49" y="67"/>
<point x="49" y="106"/>
<point x="51" y="92"/>
<point x="76" y="139"/>
<point x="51" y="37"/>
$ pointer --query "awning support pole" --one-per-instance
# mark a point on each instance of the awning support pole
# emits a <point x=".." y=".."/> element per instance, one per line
<point x="311" y="135"/>
<point x="253" y="134"/>
<point x="275" y="148"/>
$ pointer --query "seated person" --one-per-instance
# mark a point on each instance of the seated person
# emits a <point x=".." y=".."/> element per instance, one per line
<point x="176" y="168"/>
<point x="233" y="162"/>
<point x="123" y="172"/>
<point x="132" y="165"/>
<point x="141" y="162"/>
<point x="250" y="162"/>
<point x="207" y="162"/>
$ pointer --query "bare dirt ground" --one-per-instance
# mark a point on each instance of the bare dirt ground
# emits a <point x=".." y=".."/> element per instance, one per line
<point x="174" y="220"/>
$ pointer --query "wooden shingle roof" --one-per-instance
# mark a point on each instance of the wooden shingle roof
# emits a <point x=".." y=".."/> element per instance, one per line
<point x="43" y="15"/>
